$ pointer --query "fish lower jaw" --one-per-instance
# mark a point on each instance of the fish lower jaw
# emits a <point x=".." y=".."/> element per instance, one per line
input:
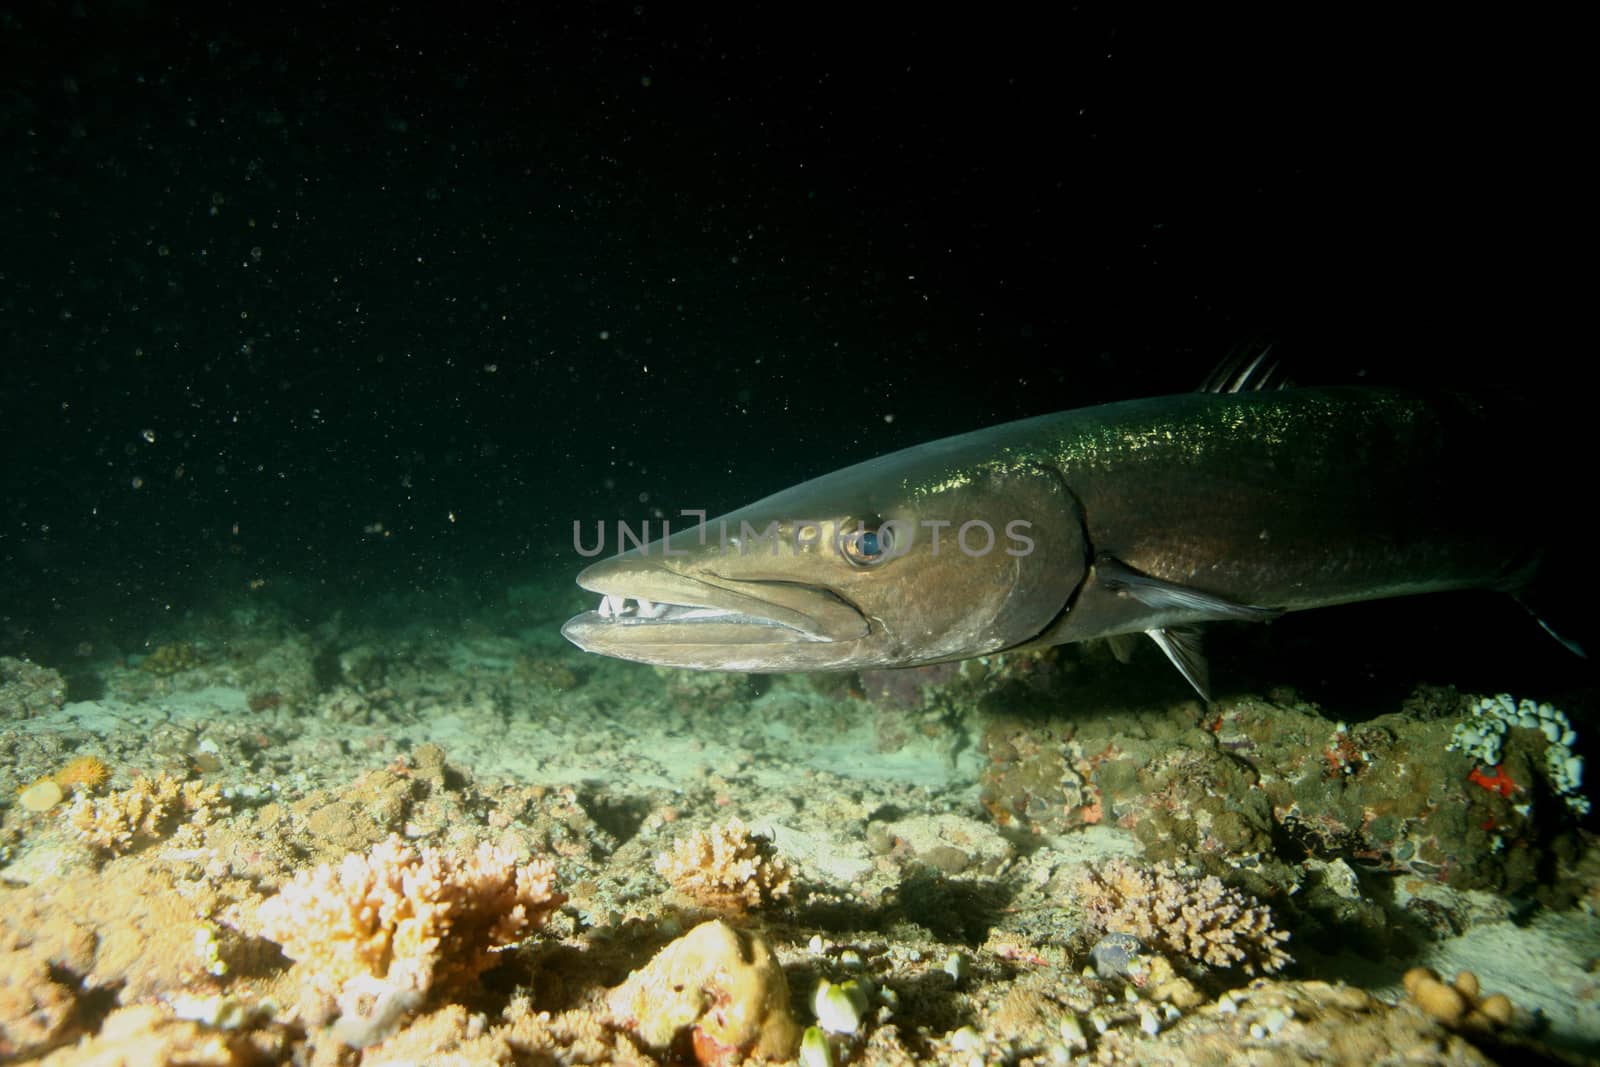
<point x="619" y="610"/>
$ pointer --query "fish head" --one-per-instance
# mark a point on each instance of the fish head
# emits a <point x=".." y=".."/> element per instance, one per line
<point x="903" y="560"/>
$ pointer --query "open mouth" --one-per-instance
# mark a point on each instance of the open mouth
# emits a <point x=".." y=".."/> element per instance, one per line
<point x="627" y="611"/>
<point x="644" y="606"/>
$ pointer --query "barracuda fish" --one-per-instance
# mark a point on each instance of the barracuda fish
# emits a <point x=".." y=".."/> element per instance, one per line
<point x="1148" y="516"/>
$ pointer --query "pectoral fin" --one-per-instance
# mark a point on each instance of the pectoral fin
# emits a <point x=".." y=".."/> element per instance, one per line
<point x="1180" y="643"/>
<point x="1161" y="595"/>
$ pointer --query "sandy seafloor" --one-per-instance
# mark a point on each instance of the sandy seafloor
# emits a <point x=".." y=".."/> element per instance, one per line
<point x="938" y="828"/>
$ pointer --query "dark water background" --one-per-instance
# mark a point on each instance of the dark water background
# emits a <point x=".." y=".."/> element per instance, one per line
<point x="371" y="305"/>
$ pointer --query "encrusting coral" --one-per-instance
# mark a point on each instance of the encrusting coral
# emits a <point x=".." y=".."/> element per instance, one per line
<point x="1195" y="917"/>
<point x="1459" y="1004"/>
<point x="149" y="1034"/>
<point x="727" y="868"/>
<point x="376" y="933"/>
<point x="718" y="988"/>
<point x="36" y="1010"/>
<point x="174" y="657"/>
<point x="146" y="810"/>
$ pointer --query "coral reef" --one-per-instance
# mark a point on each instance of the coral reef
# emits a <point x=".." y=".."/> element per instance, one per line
<point x="726" y="868"/>
<point x="1483" y="737"/>
<point x="28" y="690"/>
<point x="930" y="929"/>
<point x="1250" y="784"/>
<point x="1039" y="777"/>
<point x="1283" y="1023"/>
<point x="1459" y="1004"/>
<point x="146" y="1034"/>
<point x="450" y="1036"/>
<point x="39" y="965"/>
<point x="173" y="657"/>
<point x="148" y="809"/>
<point x="1198" y="918"/>
<point x="82" y="774"/>
<point x="144" y="930"/>
<point x="375" y="934"/>
<point x="720" y="988"/>
<point x="36" y="1010"/>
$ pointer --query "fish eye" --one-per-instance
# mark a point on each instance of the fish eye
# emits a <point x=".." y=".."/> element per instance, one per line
<point x="870" y="543"/>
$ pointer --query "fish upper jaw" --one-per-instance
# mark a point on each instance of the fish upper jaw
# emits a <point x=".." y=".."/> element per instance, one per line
<point x="651" y="614"/>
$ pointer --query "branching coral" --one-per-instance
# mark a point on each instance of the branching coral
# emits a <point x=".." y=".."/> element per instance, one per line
<point x="146" y="810"/>
<point x="1195" y="917"/>
<point x="392" y="924"/>
<point x="726" y="868"/>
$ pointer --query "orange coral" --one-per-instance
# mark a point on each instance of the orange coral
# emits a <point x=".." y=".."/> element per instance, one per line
<point x="1497" y="782"/>
<point x="82" y="774"/>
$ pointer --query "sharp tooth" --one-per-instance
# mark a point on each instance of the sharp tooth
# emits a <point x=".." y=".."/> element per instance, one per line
<point x="651" y="610"/>
<point x="619" y="604"/>
<point x="605" y="607"/>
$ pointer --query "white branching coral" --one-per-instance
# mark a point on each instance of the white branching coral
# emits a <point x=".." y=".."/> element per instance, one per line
<point x="377" y="932"/>
<point x="146" y="810"/>
<point x="1187" y="916"/>
<point x="726" y="868"/>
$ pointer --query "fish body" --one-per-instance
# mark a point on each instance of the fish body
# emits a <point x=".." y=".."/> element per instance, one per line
<point x="1145" y="516"/>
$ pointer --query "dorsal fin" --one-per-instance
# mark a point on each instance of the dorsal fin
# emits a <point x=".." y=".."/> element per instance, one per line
<point x="1247" y="369"/>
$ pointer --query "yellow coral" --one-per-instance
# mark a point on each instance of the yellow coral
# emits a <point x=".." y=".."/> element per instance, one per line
<point x="398" y="921"/>
<point x="720" y="988"/>
<point x="1195" y="917"/>
<point x="82" y="774"/>
<point x="1459" y="1004"/>
<point x="726" y="868"/>
<point x="148" y="809"/>
<point x="40" y="796"/>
